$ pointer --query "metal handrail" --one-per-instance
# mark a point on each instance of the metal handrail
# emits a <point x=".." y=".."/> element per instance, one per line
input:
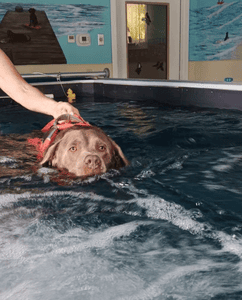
<point x="105" y="73"/>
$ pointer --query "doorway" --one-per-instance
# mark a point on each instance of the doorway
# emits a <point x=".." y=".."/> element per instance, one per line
<point x="177" y="37"/>
<point x="147" y="40"/>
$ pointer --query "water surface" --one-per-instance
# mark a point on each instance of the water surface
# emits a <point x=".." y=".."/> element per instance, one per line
<point x="166" y="227"/>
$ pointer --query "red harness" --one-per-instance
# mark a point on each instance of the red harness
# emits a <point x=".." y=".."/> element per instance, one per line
<point x="63" y="122"/>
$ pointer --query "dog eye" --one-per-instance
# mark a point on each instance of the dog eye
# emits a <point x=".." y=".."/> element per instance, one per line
<point x="73" y="149"/>
<point x="102" y="148"/>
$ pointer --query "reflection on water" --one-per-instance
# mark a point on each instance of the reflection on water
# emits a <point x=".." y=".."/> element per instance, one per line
<point x="140" y="123"/>
<point x="166" y="227"/>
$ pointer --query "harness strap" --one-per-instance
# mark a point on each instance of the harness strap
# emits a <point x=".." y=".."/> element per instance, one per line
<point x="68" y="121"/>
<point x="54" y="126"/>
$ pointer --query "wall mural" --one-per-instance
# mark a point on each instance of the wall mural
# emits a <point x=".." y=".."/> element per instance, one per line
<point x="38" y="33"/>
<point x="215" y="30"/>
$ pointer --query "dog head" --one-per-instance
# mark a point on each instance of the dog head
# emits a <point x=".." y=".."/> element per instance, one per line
<point x="84" y="151"/>
<point x="32" y="10"/>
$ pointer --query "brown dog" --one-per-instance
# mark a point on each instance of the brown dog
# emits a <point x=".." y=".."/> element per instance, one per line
<point x="17" y="37"/>
<point x="84" y="151"/>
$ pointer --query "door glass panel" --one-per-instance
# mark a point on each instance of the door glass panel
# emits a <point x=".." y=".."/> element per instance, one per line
<point x="147" y="41"/>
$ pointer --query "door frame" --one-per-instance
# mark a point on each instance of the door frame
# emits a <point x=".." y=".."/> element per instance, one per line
<point x="167" y="30"/>
<point x="178" y="37"/>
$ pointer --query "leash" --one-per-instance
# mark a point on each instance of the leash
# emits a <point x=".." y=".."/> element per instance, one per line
<point x="56" y="125"/>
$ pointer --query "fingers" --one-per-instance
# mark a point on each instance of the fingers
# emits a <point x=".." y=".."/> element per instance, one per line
<point x="76" y="111"/>
<point x="65" y="108"/>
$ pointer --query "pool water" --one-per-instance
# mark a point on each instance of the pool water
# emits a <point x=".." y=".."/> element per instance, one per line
<point x="166" y="227"/>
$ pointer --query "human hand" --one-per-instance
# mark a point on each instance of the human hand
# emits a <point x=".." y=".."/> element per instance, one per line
<point x="64" y="108"/>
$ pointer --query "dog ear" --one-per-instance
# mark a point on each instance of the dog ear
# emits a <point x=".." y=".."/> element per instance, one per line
<point x="119" y="159"/>
<point x="50" y="155"/>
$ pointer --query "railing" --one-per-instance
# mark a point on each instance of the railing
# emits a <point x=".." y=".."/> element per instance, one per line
<point x="36" y="75"/>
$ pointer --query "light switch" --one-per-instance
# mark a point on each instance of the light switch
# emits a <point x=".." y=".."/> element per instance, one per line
<point x="71" y="38"/>
<point x="100" y="39"/>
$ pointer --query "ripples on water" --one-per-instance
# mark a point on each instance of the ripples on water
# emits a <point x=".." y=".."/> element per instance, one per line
<point x="166" y="227"/>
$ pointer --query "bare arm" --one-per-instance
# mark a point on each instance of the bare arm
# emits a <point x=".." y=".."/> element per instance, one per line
<point x="31" y="98"/>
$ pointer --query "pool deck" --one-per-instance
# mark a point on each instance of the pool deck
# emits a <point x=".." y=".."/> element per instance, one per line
<point x="43" y="48"/>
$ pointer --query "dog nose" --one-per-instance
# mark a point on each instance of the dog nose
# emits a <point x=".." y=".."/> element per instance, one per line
<point x="92" y="162"/>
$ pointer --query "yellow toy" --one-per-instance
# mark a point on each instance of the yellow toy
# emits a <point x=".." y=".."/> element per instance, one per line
<point x="71" y="96"/>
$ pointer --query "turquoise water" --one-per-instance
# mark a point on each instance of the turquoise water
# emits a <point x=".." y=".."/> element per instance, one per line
<point x="67" y="18"/>
<point x="207" y="30"/>
<point x="166" y="227"/>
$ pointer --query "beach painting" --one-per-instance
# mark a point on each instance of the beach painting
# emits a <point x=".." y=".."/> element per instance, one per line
<point x="46" y="41"/>
<point x="215" y="31"/>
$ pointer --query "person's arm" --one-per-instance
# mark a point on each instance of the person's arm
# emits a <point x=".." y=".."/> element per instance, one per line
<point x="25" y="94"/>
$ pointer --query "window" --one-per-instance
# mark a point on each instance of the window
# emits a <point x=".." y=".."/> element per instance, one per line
<point x="136" y="23"/>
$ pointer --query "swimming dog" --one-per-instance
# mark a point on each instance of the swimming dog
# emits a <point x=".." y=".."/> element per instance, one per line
<point x="72" y="144"/>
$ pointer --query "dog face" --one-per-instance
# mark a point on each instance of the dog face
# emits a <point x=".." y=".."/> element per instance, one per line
<point x="84" y="152"/>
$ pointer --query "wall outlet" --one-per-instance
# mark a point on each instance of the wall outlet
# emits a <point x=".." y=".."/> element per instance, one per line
<point x="100" y="38"/>
<point x="83" y="39"/>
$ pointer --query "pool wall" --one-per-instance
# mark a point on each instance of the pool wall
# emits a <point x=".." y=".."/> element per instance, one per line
<point x="170" y="93"/>
<point x="173" y="93"/>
